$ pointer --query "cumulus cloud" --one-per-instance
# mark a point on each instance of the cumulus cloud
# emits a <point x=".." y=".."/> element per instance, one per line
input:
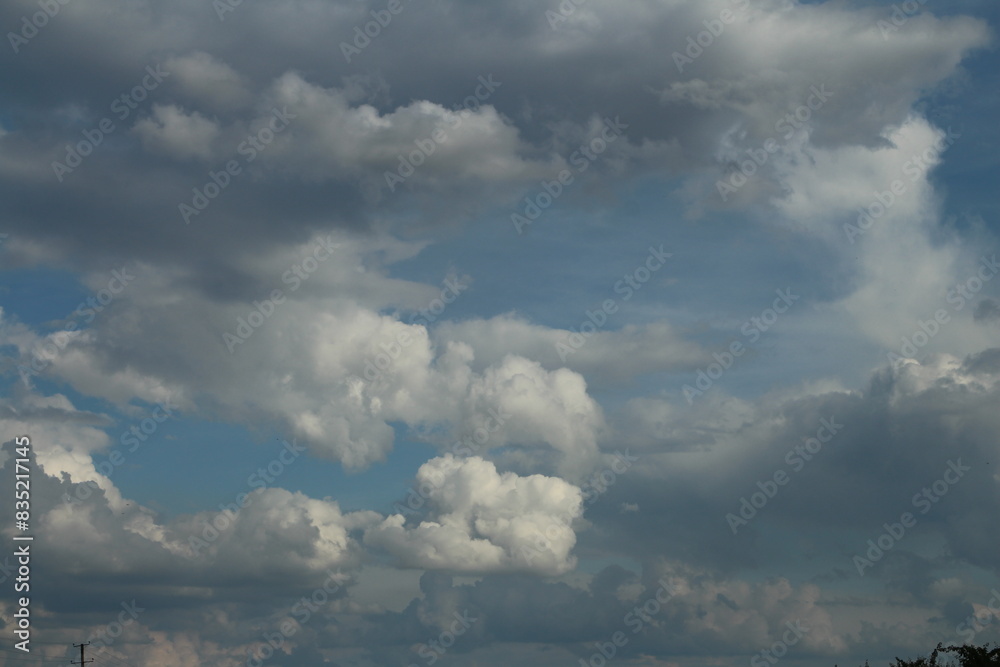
<point x="334" y="138"/>
<point x="326" y="388"/>
<point x="482" y="521"/>
<point x="172" y="132"/>
<point x="81" y="518"/>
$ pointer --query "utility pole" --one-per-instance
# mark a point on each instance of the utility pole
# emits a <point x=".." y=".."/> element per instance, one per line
<point x="82" y="662"/>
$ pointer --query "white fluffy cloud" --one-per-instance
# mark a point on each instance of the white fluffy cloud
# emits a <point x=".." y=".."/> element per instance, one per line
<point x="332" y="371"/>
<point x="877" y="208"/>
<point x="482" y="521"/>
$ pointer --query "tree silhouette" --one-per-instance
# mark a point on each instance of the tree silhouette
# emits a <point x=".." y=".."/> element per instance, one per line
<point x="968" y="656"/>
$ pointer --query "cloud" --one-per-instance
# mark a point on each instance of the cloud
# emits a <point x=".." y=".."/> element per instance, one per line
<point x="208" y="82"/>
<point x="482" y="521"/>
<point x="328" y="169"/>
<point x="160" y="337"/>
<point x="175" y="134"/>
<point x="80" y="522"/>
<point x="987" y="310"/>
<point x="294" y="299"/>
<point x="606" y="357"/>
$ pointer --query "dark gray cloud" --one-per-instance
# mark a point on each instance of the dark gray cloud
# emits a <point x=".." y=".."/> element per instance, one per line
<point x="122" y="201"/>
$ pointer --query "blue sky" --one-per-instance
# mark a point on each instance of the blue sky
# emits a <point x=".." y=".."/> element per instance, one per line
<point x="307" y="325"/>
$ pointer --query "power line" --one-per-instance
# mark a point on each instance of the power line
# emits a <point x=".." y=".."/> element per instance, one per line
<point x="115" y="658"/>
<point x="82" y="663"/>
<point x="19" y="656"/>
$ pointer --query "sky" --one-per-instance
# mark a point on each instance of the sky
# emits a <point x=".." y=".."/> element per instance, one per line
<point x="394" y="333"/>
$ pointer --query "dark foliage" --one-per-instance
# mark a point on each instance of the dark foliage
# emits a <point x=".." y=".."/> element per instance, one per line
<point x="968" y="656"/>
